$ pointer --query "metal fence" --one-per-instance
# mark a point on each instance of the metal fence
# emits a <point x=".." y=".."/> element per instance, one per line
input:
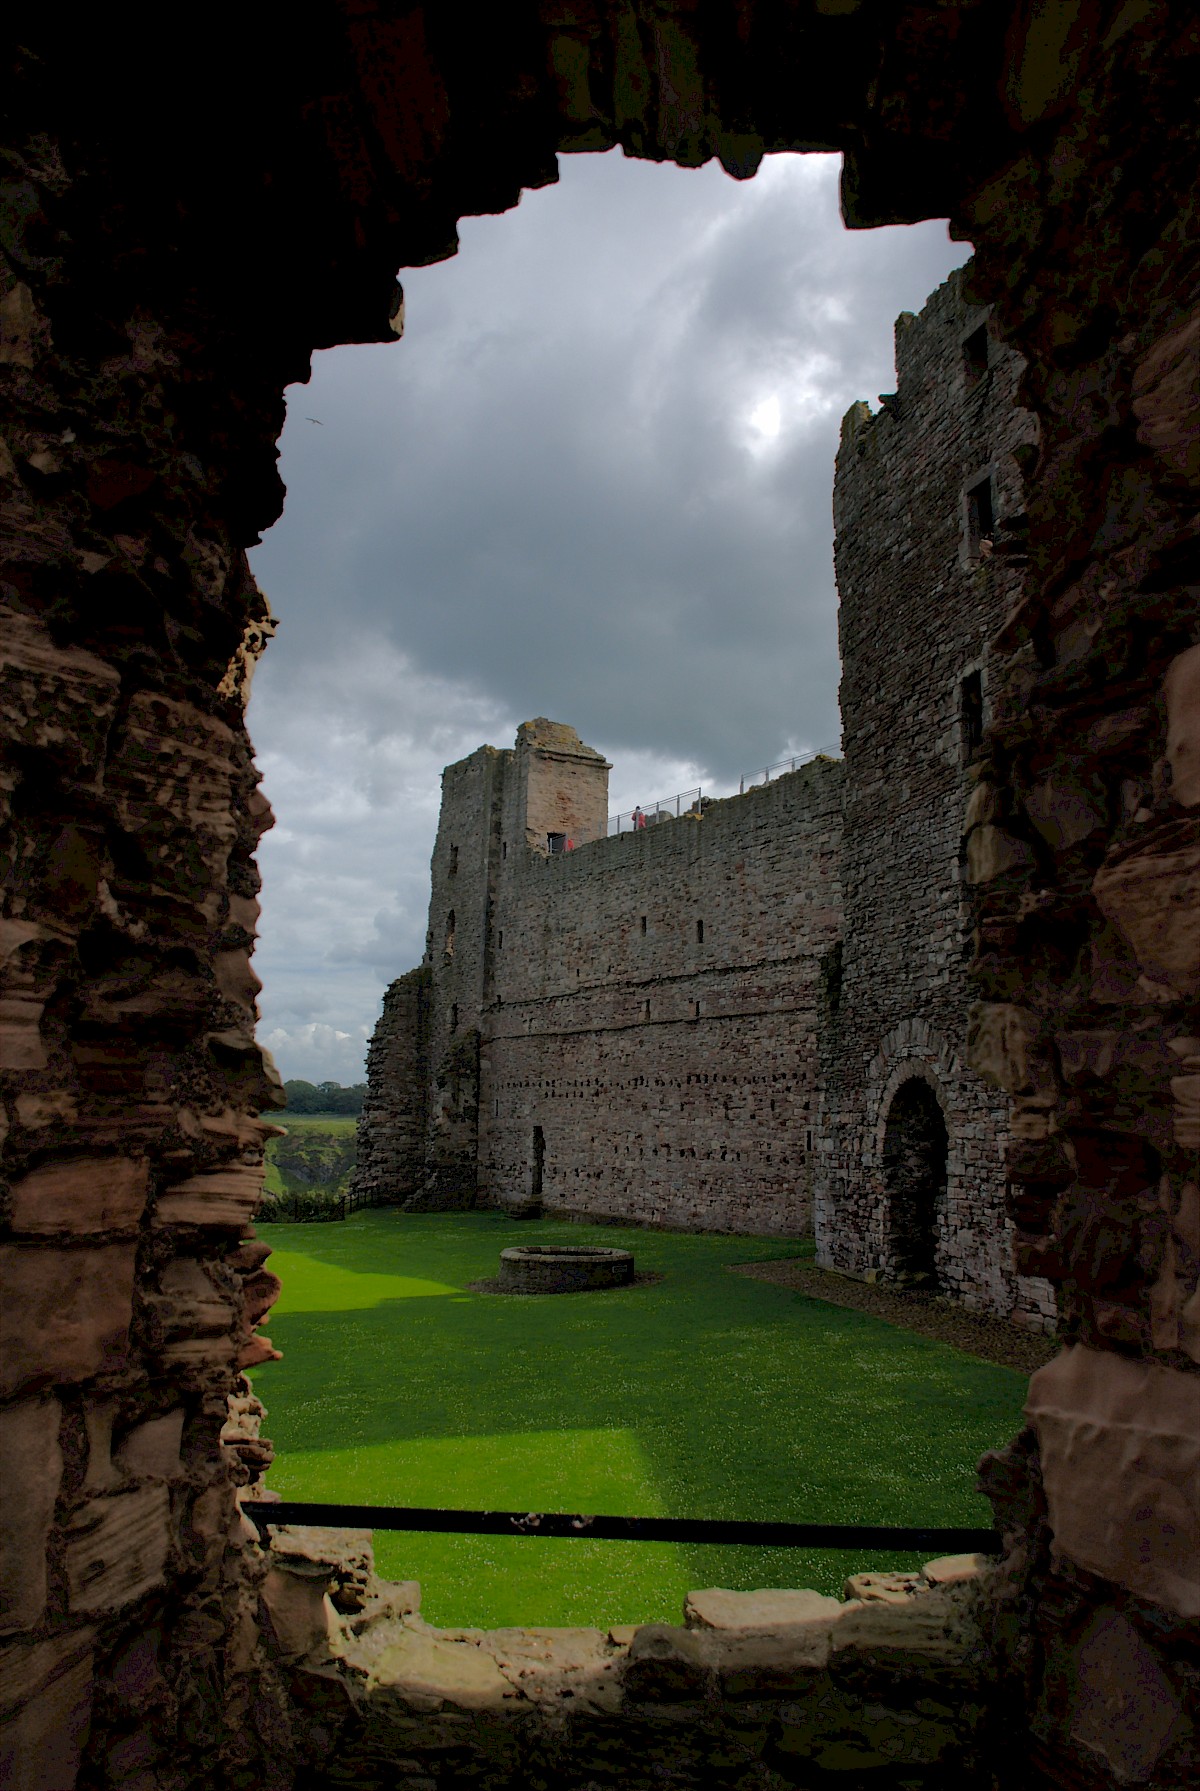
<point x="692" y="802"/>
<point x="783" y="766"/>
<point x="927" y="1538"/>
<point x="688" y="802"/>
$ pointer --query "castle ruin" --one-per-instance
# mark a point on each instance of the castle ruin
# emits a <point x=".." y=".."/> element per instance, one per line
<point x="929" y="513"/>
<point x="759" y="1007"/>
<point x="163" y="277"/>
<point x="624" y="1030"/>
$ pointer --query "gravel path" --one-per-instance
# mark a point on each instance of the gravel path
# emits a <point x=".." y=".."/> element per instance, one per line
<point x="975" y="1333"/>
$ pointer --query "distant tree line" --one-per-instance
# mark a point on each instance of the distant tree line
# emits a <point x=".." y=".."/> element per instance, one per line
<point x="324" y="1097"/>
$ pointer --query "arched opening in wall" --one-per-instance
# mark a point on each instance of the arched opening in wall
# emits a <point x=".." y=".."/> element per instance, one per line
<point x="665" y="596"/>
<point x="915" y="1148"/>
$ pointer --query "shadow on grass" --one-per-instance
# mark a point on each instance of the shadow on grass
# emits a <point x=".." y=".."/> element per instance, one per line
<point x="707" y="1395"/>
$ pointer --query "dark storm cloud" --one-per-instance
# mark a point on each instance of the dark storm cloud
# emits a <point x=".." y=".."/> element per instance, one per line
<point x="593" y="482"/>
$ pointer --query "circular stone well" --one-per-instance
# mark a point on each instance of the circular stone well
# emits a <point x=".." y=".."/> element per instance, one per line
<point x="562" y="1268"/>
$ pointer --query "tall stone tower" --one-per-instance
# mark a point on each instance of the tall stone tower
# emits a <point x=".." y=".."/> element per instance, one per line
<point x="560" y="786"/>
<point x="928" y="507"/>
<point x="418" y="1140"/>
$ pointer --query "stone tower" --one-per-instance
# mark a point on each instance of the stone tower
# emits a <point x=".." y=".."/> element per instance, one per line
<point x="928" y="508"/>
<point x="560" y="787"/>
<point x="418" y="1141"/>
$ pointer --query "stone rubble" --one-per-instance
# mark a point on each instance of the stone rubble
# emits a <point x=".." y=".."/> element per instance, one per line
<point x="750" y="1681"/>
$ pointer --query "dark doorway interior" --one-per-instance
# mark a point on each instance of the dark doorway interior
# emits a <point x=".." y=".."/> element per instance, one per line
<point x="914" y="1167"/>
<point x="539" y="1161"/>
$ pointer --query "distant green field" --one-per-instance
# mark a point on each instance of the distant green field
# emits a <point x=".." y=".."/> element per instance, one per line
<point x="705" y="1395"/>
<point x="314" y="1160"/>
<point x="320" y="1122"/>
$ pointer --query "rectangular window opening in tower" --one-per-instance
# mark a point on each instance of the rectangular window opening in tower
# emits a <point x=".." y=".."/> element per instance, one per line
<point x="971" y="715"/>
<point x="981" y="520"/>
<point x="975" y="356"/>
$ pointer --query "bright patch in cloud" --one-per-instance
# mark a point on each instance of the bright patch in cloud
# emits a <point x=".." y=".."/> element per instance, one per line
<point x="765" y="417"/>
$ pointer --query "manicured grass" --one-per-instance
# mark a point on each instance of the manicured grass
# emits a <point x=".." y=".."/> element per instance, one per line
<point x="704" y="1395"/>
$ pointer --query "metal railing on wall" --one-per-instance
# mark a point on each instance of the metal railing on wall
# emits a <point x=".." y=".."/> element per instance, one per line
<point x="783" y="766"/>
<point x="693" y="802"/>
<point x="929" y="1538"/>
<point x="687" y="802"/>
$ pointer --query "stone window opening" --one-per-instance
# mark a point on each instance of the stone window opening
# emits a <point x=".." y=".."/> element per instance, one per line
<point x="643" y="926"/>
<point x="537" y="1169"/>
<point x="699" y="932"/>
<point x="500" y="940"/>
<point x="454" y="861"/>
<point x="915" y="1150"/>
<point x="454" y="1016"/>
<point x="971" y="715"/>
<point x="975" y="356"/>
<point x="448" y="952"/>
<point x="646" y="1010"/>
<point x="808" y="1139"/>
<point x="555" y="843"/>
<point x="504" y="848"/>
<point x="695" y="1010"/>
<point x="981" y="519"/>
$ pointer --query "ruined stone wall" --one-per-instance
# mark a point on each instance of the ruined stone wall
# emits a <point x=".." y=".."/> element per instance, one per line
<point x="1082" y="849"/>
<point x="152" y="315"/>
<point x="391" y="1131"/>
<point x="654" y="1014"/>
<point x="922" y="589"/>
<point x="463" y="872"/>
<point x="130" y="1082"/>
<point x="632" y="1021"/>
<point x="890" y="1686"/>
<point x="560" y="787"/>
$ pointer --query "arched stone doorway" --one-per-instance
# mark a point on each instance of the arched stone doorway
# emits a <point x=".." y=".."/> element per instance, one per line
<point x="915" y="1147"/>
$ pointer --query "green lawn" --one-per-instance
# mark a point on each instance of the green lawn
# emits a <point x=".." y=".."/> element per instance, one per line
<point x="705" y="1395"/>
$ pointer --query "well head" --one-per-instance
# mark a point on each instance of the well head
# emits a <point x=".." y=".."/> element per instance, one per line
<point x="563" y="1268"/>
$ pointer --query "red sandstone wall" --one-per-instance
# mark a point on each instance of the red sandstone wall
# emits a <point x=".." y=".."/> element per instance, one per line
<point x="132" y="1282"/>
<point x="562" y="785"/>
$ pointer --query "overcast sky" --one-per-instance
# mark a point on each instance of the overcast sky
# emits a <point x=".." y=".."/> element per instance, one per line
<point x="592" y="482"/>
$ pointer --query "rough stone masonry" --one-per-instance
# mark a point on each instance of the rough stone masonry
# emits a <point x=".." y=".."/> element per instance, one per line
<point x="704" y="1022"/>
<point x="176" y="242"/>
<point x="929" y="511"/>
<point x="625" y="1029"/>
